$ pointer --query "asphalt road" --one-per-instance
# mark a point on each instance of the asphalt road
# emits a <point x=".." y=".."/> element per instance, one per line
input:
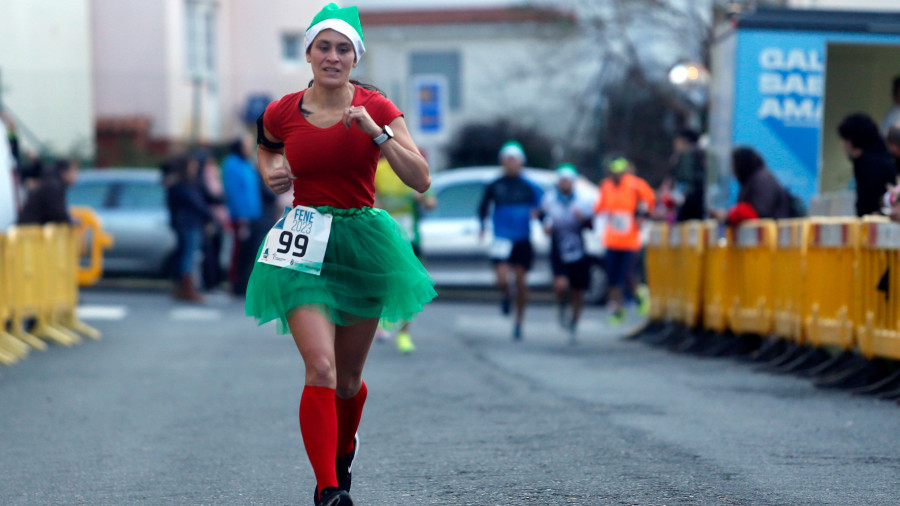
<point x="195" y="405"/>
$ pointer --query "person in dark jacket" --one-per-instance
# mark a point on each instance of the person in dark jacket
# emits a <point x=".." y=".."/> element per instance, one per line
<point x="688" y="174"/>
<point x="761" y="195"/>
<point x="873" y="167"/>
<point x="190" y="214"/>
<point x="46" y="202"/>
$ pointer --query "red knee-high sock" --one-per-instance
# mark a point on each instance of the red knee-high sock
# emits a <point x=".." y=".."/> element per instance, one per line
<point x="349" y="412"/>
<point x="318" y="424"/>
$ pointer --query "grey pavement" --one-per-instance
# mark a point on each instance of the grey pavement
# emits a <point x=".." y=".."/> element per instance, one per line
<point x="195" y="405"/>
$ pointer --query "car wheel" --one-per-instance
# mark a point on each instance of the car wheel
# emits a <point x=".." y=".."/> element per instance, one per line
<point x="599" y="288"/>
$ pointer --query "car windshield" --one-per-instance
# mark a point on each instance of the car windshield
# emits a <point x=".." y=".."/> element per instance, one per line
<point x="89" y="193"/>
<point x="458" y="201"/>
<point x="141" y="195"/>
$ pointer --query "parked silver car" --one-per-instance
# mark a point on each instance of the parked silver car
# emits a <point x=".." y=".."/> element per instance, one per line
<point x="456" y="257"/>
<point x="131" y="204"/>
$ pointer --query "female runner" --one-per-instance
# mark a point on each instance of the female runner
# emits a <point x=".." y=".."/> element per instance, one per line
<point x="324" y="142"/>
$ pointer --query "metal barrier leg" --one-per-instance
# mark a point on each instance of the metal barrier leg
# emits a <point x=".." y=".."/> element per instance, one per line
<point x="888" y="384"/>
<point x="836" y="363"/>
<point x="771" y="348"/>
<point x="13" y="346"/>
<point x="7" y="358"/>
<point x="864" y="373"/>
<point x="19" y="332"/>
<point x="808" y="360"/>
<point x="71" y="321"/>
<point x="45" y="330"/>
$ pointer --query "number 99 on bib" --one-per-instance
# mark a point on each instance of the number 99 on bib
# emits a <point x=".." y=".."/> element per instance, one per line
<point x="298" y="240"/>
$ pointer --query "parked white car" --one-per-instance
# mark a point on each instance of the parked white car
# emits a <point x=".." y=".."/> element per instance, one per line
<point x="454" y="254"/>
<point x="131" y="204"/>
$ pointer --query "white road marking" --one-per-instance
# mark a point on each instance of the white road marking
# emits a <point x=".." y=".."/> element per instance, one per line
<point x="97" y="312"/>
<point x="197" y="314"/>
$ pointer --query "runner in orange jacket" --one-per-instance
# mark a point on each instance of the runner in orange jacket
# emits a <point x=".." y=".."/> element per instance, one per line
<point x="624" y="199"/>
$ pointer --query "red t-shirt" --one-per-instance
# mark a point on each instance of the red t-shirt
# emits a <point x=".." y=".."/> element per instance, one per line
<point x="334" y="166"/>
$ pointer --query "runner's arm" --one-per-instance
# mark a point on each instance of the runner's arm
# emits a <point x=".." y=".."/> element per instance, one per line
<point x="403" y="155"/>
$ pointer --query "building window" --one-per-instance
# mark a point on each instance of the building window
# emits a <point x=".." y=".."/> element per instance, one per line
<point x="444" y="63"/>
<point x="200" y="38"/>
<point x="292" y="48"/>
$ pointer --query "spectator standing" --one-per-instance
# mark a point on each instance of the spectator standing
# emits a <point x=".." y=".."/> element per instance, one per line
<point x="243" y="194"/>
<point x="873" y="168"/>
<point x="688" y="175"/>
<point x="892" y="139"/>
<point x="566" y="216"/>
<point x="512" y="201"/>
<point x="190" y="214"/>
<point x="892" y="115"/>
<point x="760" y="194"/>
<point x="625" y="200"/>
<point x="46" y="202"/>
<point x="214" y="233"/>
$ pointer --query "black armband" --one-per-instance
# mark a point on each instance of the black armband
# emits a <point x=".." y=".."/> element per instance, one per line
<point x="261" y="136"/>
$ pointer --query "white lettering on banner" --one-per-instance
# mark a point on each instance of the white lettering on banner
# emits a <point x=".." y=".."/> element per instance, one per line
<point x="775" y="58"/>
<point x="773" y="83"/>
<point x="791" y="85"/>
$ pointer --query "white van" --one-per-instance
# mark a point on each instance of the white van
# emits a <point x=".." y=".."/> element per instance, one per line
<point x="7" y="182"/>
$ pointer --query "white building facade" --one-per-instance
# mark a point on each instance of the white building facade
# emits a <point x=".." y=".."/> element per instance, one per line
<point x="191" y="66"/>
<point x="45" y="74"/>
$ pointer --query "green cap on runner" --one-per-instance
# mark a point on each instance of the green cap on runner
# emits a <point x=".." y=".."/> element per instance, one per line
<point x="344" y="20"/>
<point x="512" y="148"/>
<point x="619" y="165"/>
<point x="567" y="171"/>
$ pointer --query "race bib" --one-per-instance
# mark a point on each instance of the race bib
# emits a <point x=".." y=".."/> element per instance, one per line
<point x="621" y="221"/>
<point x="571" y="248"/>
<point x="298" y="240"/>
<point x="500" y="249"/>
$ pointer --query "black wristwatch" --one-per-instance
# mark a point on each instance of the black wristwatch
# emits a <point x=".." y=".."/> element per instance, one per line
<point x="386" y="133"/>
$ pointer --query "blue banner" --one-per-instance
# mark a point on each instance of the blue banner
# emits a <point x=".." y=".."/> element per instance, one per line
<point x="779" y="100"/>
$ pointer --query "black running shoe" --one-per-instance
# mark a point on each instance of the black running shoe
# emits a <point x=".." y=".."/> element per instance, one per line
<point x="505" y="304"/>
<point x="332" y="496"/>
<point x="344" y="466"/>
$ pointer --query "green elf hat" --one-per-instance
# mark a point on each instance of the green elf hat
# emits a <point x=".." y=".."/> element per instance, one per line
<point x="344" y="20"/>
<point x="567" y="171"/>
<point x="513" y="149"/>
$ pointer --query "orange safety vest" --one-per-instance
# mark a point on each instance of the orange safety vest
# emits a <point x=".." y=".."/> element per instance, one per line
<point x="620" y="204"/>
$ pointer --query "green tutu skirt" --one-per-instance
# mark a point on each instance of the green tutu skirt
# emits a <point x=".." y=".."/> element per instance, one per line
<point x="369" y="271"/>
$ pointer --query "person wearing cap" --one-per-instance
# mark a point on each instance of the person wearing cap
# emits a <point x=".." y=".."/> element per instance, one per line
<point x="334" y="265"/>
<point x="566" y="215"/>
<point x="624" y="200"/>
<point x="513" y="202"/>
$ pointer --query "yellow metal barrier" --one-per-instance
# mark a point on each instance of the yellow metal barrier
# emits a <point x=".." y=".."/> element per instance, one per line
<point x="831" y="282"/>
<point x="674" y="275"/>
<point x="878" y="327"/>
<point x="31" y="262"/>
<point x="89" y="231"/>
<point x="657" y="270"/>
<point x="789" y="275"/>
<point x="11" y="349"/>
<point x="751" y="312"/>
<point x="689" y="272"/>
<point x="719" y="280"/>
